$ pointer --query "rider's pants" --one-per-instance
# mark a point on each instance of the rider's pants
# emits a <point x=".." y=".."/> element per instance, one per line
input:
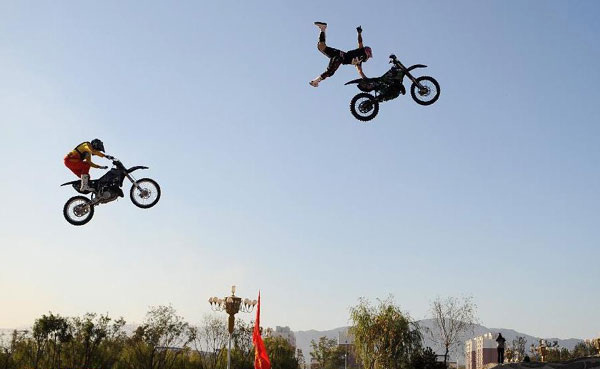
<point x="335" y="56"/>
<point x="77" y="166"/>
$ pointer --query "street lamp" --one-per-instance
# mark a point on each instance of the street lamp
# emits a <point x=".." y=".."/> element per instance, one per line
<point x="231" y="305"/>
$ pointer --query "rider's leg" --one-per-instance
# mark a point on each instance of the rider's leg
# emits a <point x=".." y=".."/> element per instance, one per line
<point x="85" y="177"/>
<point x="321" y="44"/>
<point x="85" y="185"/>
<point x="334" y="64"/>
<point x="322" y="25"/>
<point x="334" y="56"/>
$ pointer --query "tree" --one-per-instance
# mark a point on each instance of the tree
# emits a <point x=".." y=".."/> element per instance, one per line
<point x="518" y="348"/>
<point x="211" y="340"/>
<point x="281" y="353"/>
<point x="93" y="335"/>
<point x="451" y="318"/>
<point x="242" y="353"/>
<point x="327" y="353"/>
<point x="426" y="359"/>
<point x="160" y="341"/>
<point x="50" y="333"/>
<point x="7" y="352"/>
<point x="553" y="352"/>
<point x="583" y="349"/>
<point x="300" y="357"/>
<point x="384" y="336"/>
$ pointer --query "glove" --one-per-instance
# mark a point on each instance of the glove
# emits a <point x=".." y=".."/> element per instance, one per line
<point x="359" y="29"/>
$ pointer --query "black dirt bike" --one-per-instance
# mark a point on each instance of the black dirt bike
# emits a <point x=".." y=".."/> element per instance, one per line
<point x="425" y="90"/>
<point x="144" y="193"/>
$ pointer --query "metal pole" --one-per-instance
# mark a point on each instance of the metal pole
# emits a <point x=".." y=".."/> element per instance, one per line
<point x="346" y="356"/>
<point x="229" y="353"/>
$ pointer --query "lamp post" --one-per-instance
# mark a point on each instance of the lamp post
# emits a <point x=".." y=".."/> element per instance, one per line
<point x="231" y="305"/>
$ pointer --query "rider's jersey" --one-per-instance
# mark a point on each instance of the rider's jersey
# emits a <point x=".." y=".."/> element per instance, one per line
<point x="84" y="151"/>
<point x="354" y="57"/>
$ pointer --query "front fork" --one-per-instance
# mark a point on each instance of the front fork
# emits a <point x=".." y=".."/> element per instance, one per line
<point x="414" y="81"/>
<point x="133" y="181"/>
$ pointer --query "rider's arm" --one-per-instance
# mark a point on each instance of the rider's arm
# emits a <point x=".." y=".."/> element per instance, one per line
<point x="360" y="71"/>
<point x="88" y="159"/>
<point x="360" y="40"/>
<point x="98" y="153"/>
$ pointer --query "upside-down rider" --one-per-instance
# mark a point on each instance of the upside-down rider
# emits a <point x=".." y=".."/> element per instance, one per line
<point x="80" y="160"/>
<point x="337" y="57"/>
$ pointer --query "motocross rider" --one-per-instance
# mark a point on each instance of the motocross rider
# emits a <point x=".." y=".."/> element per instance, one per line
<point x="80" y="160"/>
<point x="337" y="57"/>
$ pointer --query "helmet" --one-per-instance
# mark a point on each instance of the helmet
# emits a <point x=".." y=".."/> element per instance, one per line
<point x="369" y="52"/>
<point x="97" y="145"/>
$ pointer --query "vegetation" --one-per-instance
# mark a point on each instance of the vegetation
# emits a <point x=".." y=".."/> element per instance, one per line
<point x="553" y="352"/>
<point x="387" y="338"/>
<point x="327" y="354"/>
<point x="281" y="353"/>
<point x="451" y="318"/>
<point x="384" y="337"/>
<point x="163" y="341"/>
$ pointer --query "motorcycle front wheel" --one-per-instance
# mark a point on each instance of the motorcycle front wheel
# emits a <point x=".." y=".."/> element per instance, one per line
<point x="78" y="211"/>
<point x="147" y="195"/>
<point x="428" y="94"/>
<point x="364" y="106"/>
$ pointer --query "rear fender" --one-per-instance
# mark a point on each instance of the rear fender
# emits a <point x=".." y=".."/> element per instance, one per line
<point x="365" y="84"/>
<point x="70" y="183"/>
<point x="77" y="186"/>
<point x="354" y="81"/>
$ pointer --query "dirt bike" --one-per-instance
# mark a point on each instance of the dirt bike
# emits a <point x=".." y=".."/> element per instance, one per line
<point x="144" y="193"/>
<point x="425" y="90"/>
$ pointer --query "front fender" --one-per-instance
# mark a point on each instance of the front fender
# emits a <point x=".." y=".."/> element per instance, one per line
<point x="415" y="67"/>
<point x="136" y="168"/>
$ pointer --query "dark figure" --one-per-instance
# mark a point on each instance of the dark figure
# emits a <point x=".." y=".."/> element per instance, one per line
<point x="500" y="340"/>
<point x="337" y="57"/>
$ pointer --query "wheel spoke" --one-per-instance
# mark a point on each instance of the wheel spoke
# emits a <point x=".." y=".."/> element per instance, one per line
<point x="425" y="91"/>
<point x="78" y="210"/>
<point x="145" y="194"/>
<point x="364" y="107"/>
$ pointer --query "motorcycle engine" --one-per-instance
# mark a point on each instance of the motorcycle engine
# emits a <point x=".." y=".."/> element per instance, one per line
<point x="107" y="196"/>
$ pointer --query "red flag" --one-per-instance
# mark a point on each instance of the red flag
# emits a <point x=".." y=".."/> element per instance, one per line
<point x="261" y="359"/>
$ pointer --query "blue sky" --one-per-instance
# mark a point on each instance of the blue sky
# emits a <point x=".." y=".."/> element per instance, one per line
<point x="269" y="183"/>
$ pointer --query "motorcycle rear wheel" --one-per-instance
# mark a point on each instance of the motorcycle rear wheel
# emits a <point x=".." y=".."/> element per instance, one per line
<point x="364" y="107"/>
<point x="148" y="194"/>
<point x="429" y="94"/>
<point x="78" y="211"/>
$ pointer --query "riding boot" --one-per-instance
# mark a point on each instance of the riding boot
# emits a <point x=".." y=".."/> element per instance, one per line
<point x="321" y="25"/>
<point x="315" y="82"/>
<point x="85" y="179"/>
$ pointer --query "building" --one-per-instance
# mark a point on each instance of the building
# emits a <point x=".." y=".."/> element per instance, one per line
<point x="346" y="341"/>
<point x="470" y="355"/>
<point x="480" y="351"/>
<point x="284" y="332"/>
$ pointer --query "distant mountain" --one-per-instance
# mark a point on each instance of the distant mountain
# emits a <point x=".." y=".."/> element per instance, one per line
<point x="303" y="338"/>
